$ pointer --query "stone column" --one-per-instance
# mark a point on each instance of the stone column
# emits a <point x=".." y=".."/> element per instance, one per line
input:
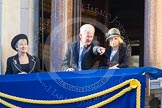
<point x="0" y="34"/>
<point x="29" y="18"/>
<point x="161" y="100"/>
<point x="61" y="31"/>
<point x="10" y="26"/>
<point x="153" y="31"/>
<point x="18" y="16"/>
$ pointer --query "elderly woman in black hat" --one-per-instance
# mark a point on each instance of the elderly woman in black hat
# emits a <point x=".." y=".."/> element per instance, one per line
<point x="116" y="55"/>
<point x="22" y="62"/>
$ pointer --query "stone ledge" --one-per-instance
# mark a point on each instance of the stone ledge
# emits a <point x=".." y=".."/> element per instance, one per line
<point x="156" y="84"/>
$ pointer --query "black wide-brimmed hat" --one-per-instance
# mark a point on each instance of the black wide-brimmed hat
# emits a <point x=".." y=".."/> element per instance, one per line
<point x="112" y="33"/>
<point x="16" y="39"/>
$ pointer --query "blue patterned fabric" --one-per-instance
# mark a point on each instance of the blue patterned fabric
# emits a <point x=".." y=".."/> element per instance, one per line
<point x="65" y="85"/>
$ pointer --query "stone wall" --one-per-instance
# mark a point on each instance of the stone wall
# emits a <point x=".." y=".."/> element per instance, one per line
<point x="20" y="16"/>
<point x="153" y="31"/>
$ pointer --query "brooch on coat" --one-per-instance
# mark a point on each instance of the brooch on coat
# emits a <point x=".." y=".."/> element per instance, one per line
<point x="15" y="61"/>
<point x="107" y="62"/>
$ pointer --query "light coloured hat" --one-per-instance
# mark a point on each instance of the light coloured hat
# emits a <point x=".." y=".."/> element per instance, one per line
<point x="112" y="33"/>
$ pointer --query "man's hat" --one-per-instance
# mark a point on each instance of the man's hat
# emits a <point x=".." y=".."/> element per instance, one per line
<point x="16" y="39"/>
<point x="112" y="33"/>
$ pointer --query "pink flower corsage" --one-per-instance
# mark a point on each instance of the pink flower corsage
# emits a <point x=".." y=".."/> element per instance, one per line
<point x="107" y="63"/>
<point x="15" y="61"/>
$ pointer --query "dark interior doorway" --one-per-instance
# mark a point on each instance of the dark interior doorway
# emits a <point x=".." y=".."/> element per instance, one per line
<point x="44" y="34"/>
<point x="126" y="15"/>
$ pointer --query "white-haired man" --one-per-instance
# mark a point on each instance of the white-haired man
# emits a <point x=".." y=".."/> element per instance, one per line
<point x="81" y="55"/>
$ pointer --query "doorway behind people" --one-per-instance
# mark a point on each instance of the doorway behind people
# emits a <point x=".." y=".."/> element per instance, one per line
<point x="122" y="14"/>
<point x="104" y="14"/>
